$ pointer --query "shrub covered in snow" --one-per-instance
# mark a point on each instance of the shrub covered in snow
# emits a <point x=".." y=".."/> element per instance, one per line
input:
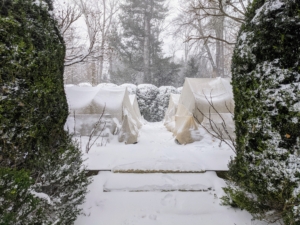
<point x="146" y="95"/>
<point x="162" y="100"/>
<point x="131" y="88"/>
<point x="41" y="176"/>
<point x="153" y="101"/>
<point x="265" y="175"/>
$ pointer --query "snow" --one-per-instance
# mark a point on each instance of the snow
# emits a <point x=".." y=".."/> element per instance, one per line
<point x="42" y="196"/>
<point x="179" y="90"/>
<point x="160" y="182"/>
<point x="128" y="199"/>
<point x="131" y="88"/>
<point x="157" y="150"/>
<point x="41" y="3"/>
<point x="266" y="8"/>
<point x="85" y="84"/>
<point x="107" y="85"/>
<point x="157" y="181"/>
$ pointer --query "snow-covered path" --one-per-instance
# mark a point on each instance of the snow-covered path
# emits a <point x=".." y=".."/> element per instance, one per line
<point x="172" y="198"/>
<point x="157" y="150"/>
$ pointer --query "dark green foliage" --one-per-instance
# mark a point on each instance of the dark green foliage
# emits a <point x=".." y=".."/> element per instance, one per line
<point x="33" y="111"/>
<point x="192" y="68"/>
<point x="265" y="174"/>
<point x="17" y="197"/>
<point x="165" y="72"/>
<point x="34" y="107"/>
<point x="130" y="45"/>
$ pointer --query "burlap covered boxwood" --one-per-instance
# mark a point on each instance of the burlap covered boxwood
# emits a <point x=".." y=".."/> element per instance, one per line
<point x="33" y="110"/>
<point x="265" y="175"/>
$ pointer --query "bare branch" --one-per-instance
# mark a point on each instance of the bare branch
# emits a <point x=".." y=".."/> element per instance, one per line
<point x="215" y="130"/>
<point x="92" y="134"/>
<point x="209" y="37"/>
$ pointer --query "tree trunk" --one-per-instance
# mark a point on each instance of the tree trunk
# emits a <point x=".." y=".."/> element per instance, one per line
<point x="220" y="46"/>
<point x="210" y="57"/>
<point x="102" y="47"/>
<point x="147" y="74"/>
<point x="94" y="74"/>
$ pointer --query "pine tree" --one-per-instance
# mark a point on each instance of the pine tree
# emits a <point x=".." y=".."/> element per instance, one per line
<point x="265" y="175"/>
<point x="138" y="41"/>
<point x="192" y="68"/>
<point x="42" y="180"/>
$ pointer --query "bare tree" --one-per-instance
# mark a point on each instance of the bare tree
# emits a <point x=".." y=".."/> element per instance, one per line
<point x="85" y="25"/>
<point x="212" y="26"/>
<point x="67" y="15"/>
<point x="109" y="8"/>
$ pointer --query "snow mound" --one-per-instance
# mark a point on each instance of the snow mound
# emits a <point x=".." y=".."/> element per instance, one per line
<point x="131" y="88"/>
<point x="86" y="84"/>
<point x="179" y="90"/>
<point x="107" y="85"/>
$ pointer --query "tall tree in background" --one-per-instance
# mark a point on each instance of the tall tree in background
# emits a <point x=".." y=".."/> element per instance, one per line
<point x="90" y="50"/>
<point x="265" y="175"/>
<point x="192" y="68"/>
<point x="211" y="27"/>
<point x="139" y="46"/>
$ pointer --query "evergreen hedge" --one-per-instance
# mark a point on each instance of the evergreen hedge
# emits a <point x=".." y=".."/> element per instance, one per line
<point x="41" y="168"/>
<point x="265" y="175"/>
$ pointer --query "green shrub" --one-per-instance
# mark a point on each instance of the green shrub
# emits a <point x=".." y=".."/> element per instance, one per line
<point x="33" y="111"/>
<point x="16" y="201"/>
<point x="265" y="175"/>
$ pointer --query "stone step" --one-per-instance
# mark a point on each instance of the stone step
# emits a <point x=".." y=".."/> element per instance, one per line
<point x="159" y="166"/>
<point x="159" y="182"/>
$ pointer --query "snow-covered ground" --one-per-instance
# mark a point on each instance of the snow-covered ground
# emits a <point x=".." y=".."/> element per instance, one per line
<point x="156" y="150"/>
<point x="176" y="197"/>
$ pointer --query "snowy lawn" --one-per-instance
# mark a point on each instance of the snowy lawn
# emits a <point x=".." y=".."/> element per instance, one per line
<point x="159" y="198"/>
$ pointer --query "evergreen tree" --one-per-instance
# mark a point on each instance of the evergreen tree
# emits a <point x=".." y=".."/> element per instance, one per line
<point x="165" y="72"/>
<point x="42" y="180"/>
<point x="192" y="68"/>
<point x="138" y="41"/>
<point x="265" y="175"/>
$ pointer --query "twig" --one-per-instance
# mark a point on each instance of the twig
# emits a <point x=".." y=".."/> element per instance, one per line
<point x="89" y="146"/>
<point x="216" y="131"/>
<point x="74" y="123"/>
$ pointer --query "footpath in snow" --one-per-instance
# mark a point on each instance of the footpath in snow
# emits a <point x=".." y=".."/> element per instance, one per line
<point x="157" y="181"/>
<point x="157" y="150"/>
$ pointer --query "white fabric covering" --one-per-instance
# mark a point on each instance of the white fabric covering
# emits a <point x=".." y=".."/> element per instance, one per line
<point x="136" y="109"/>
<point x="194" y="99"/>
<point x="169" y="120"/>
<point x="88" y="103"/>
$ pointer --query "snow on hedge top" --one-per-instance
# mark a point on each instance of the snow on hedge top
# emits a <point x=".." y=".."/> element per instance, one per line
<point x="168" y="89"/>
<point x="179" y="90"/>
<point x="107" y="85"/>
<point x="131" y="88"/>
<point x="266" y="8"/>
<point x="86" y="84"/>
<point x="40" y="3"/>
<point x="147" y="91"/>
<point x="69" y="85"/>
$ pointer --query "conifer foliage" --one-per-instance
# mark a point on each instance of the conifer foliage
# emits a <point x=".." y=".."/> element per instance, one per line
<point x="265" y="175"/>
<point x="42" y="180"/>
